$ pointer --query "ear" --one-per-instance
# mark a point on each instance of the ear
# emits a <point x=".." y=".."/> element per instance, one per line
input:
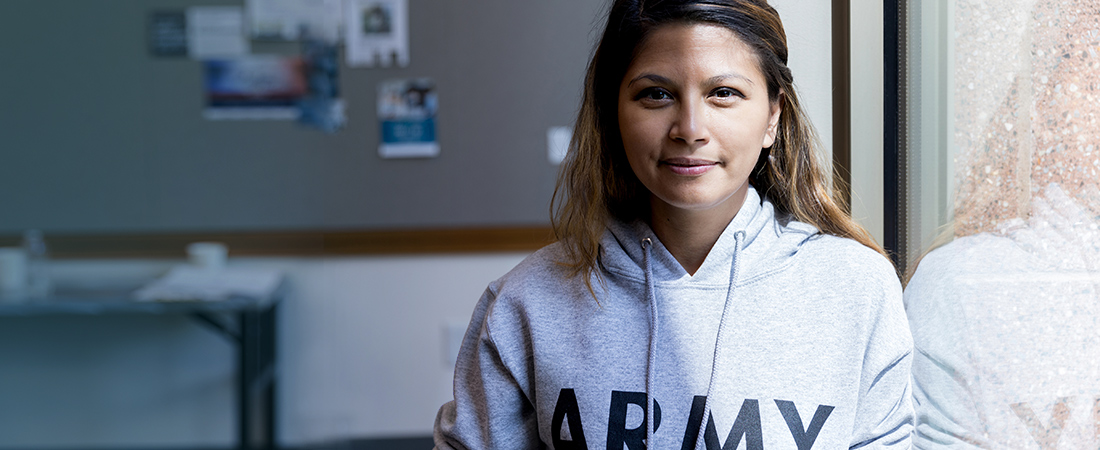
<point x="773" y="122"/>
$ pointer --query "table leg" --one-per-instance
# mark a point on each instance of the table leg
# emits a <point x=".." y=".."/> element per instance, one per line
<point x="255" y="339"/>
<point x="244" y="375"/>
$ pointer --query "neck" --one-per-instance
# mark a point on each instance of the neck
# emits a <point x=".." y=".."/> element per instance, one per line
<point x="690" y="234"/>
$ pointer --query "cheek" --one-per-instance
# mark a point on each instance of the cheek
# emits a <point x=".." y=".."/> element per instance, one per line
<point x="628" y="123"/>
<point x="640" y="158"/>
<point x="633" y="152"/>
<point x="636" y="136"/>
<point x="756" y="133"/>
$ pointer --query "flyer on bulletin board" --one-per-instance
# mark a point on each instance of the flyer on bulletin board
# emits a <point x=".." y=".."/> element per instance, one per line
<point x="168" y="33"/>
<point x="291" y="20"/>
<point x="254" y="87"/>
<point x="406" y="114"/>
<point x="322" y="106"/>
<point x="216" y="32"/>
<point x="377" y="33"/>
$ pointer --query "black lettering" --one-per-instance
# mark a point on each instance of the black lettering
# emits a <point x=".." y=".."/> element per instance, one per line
<point x="804" y="439"/>
<point x="656" y="415"/>
<point x="1046" y="437"/>
<point x="746" y="425"/>
<point x="617" y="433"/>
<point x="567" y="407"/>
<point x="695" y="421"/>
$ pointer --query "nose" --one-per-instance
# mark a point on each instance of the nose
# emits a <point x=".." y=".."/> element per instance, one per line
<point x="690" y="125"/>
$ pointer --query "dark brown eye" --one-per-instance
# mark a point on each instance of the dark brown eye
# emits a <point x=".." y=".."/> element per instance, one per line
<point x="727" y="93"/>
<point x="653" y="93"/>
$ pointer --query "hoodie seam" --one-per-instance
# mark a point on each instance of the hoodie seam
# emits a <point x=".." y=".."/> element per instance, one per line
<point x="510" y="368"/>
<point x="783" y="266"/>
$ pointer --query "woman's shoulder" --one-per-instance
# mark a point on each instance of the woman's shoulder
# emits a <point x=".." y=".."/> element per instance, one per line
<point x="538" y="291"/>
<point x="846" y="272"/>
<point x="846" y="257"/>
<point x="541" y="275"/>
<point x="544" y="263"/>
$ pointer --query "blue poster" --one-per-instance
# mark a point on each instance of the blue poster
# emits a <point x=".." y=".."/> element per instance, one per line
<point x="406" y="115"/>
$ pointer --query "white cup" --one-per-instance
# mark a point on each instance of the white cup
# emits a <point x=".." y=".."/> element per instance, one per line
<point x="207" y="255"/>
<point x="13" y="270"/>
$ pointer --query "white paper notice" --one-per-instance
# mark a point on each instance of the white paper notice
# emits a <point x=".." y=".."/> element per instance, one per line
<point x="215" y="32"/>
<point x="377" y="32"/>
<point x="289" y="19"/>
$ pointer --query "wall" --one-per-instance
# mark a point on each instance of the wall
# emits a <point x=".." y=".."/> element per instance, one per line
<point x="809" y="41"/>
<point x="867" y="115"/>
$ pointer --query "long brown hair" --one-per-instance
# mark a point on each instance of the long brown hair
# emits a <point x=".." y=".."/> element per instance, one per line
<point x="596" y="182"/>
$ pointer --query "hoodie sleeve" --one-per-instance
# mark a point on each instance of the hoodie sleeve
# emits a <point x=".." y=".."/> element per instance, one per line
<point x="884" y="418"/>
<point x="947" y="413"/>
<point x="490" y="409"/>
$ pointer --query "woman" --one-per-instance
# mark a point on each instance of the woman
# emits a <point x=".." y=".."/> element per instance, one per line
<point x="705" y="290"/>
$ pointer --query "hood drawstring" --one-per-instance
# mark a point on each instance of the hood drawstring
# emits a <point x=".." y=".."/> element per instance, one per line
<point x="652" y="412"/>
<point x="735" y="269"/>
<point x="651" y="362"/>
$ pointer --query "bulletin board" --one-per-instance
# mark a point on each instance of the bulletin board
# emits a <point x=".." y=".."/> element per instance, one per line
<point x="103" y="139"/>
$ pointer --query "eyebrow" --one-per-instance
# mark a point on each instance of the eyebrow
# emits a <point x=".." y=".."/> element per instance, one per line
<point x="712" y="80"/>
<point x="651" y="77"/>
<point x="719" y="78"/>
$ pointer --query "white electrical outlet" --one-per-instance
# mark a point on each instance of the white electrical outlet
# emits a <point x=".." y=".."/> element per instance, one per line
<point x="557" y="143"/>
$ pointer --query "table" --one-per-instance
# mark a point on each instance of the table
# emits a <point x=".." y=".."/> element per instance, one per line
<point x="247" y="323"/>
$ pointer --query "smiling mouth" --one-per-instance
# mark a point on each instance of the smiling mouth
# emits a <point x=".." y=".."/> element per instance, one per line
<point x="688" y="166"/>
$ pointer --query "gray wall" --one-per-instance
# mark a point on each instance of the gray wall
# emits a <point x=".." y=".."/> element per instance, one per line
<point x="98" y="136"/>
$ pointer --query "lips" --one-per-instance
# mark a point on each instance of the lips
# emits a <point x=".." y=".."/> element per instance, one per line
<point x="688" y="166"/>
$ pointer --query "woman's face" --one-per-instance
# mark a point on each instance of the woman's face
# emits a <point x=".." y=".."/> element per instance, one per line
<point x="694" y="115"/>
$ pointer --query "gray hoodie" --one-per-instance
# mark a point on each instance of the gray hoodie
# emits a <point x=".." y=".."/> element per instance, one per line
<point x="784" y="338"/>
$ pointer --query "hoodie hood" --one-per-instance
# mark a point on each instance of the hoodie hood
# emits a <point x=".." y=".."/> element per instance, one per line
<point x="768" y="244"/>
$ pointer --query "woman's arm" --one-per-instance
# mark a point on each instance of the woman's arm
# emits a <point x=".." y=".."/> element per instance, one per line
<point x="884" y="418"/>
<point x="490" y="409"/>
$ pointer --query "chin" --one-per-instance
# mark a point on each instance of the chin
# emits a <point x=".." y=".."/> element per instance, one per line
<point x="700" y="202"/>
<point x="696" y="204"/>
